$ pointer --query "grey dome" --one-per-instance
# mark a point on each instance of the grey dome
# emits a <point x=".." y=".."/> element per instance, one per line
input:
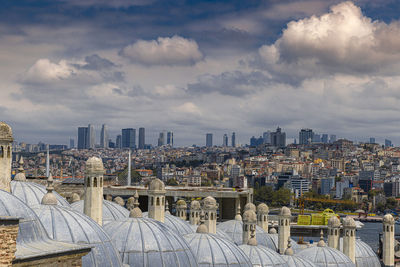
<point x="147" y="242"/>
<point x="365" y="256"/>
<point x="32" y="193"/>
<point x="177" y="224"/>
<point x="111" y="211"/>
<point x="234" y="229"/>
<point x="212" y="250"/>
<point x="295" y="261"/>
<point x="32" y="238"/>
<point x="219" y="233"/>
<point x="68" y="225"/>
<point x="324" y="256"/>
<point x="263" y="256"/>
<point x="296" y="247"/>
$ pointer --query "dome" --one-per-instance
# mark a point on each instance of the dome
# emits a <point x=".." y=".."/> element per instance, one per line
<point x="111" y="210"/>
<point x="250" y="206"/>
<point x="94" y="165"/>
<point x="274" y="236"/>
<point x="177" y="224"/>
<point x="150" y="243"/>
<point x="212" y="250"/>
<point x="5" y="132"/>
<point x="68" y="225"/>
<point x="263" y="256"/>
<point x="195" y="205"/>
<point x="365" y="256"/>
<point x="262" y="208"/>
<point x="32" y="238"/>
<point x="250" y="216"/>
<point x="209" y="203"/>
<point x="181" y="204"/>
<point x="156" y="185"/>
<point x="234" y="229"/>
<point x="324" y="256"/>
<point x="295" y="261"/>
<point x="388" y="218"/>
<point x="32" y="193"/>
<point x="333" y="222"/>
<point x="285" y="212"/>
<point x="349" y="222"/>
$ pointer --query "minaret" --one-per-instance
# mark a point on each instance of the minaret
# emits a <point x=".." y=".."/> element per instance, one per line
<point x="238" y="217"/>
<point x="249" y="206"/>
<point x="156" y="193"/>
<point x="6" y="139"/>
<point x="210" y="207"/>
<point x="49" y="198"/>
<point x="181" y="209"/>
<point x="262" y="216"/>
<point x="195" y="209"/>
<point x="93" y="202"/>
<point x="47" y="163"/>
<point x="249" y="224"/>
<point x="349" y="238"/>
<point x="333" y="232"/>
<point x="283" y="229"/>
<point x="129" y="178"/>
<point x="388" y="240"/>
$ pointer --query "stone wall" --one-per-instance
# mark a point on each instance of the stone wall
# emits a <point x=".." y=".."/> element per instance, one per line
<point x="74" y="260"/>
<point x="8" y="240"/>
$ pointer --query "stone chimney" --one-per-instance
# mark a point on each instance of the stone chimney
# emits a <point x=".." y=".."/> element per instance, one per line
<point x="388" y="240"/>
<point x="249" y="224"/>
<point x="156" y="204"/>
<point x="93" y="201"/>
<point x="262" y="216"/>
<point x="349" y="238"/>
<point x="210" y="207"/>
<point x="333" y="232"/>
<point x="6" y="139"/>
<point x="181" y="209"/>
<point x="195" y="210"/>
<point x="283" y="229"/>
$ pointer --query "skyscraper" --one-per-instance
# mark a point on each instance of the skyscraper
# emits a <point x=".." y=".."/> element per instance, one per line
<point x="91" y="137"/>
<point x="104" y="136"/>
<point x="225" y="140"/>
<point x="71" y="143"/>
<point x="128" y="138"/>
<point x="82" y="137"/>
<point x="209" y="140"/>
<point x="305" y="136"/>
<point x="372" y="140"/>
<point x="161" y="139"/>
<point x="118" y="142"/>
<point x="278" y="138"/>
<point x="324" y="138"/>
<point x="233" y="140"/>
<point x="267" y="137"/>
<point x="332" y="138"/>
<point x="388" y="143"/>
<point x="170" y="139"/>
<point x="141" y="138"/>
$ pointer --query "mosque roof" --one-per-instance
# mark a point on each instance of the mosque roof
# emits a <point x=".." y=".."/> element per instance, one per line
<point x="295" y="261"/>
<point x="111" y="211"/>
<point x="365" y="256"/>
<point x="177" y="224"/>
<point x="263" y="256"/>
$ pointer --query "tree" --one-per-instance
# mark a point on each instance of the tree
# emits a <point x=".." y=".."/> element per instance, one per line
<point x="172" y="182"/>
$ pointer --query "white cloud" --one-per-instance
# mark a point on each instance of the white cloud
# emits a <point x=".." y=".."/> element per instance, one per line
<point x="164" y="51"/>
<point x="341" y="41"/>
<point x="46" y="71"/>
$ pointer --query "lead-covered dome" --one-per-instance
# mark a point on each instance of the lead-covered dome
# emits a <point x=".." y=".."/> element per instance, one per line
<point x="5" y="132"/>
<point x="32" y="193"/>
<point x="365" y="256"/>
<point x="234" y="229"/>
<point x="324" y="256"/>
<point x="263" y="257"/>
<point x="212" y="250"/>
<point x="295" y="261"/>
<point x="147" y="242"/>
<point x="68" y="225"/>
<point x="111" y="211"/>
<point x="177" y="224"/>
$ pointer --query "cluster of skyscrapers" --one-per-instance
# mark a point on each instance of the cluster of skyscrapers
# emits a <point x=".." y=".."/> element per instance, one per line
<point x="276" y="139"/>
<point x="307" y="136"/>
<point x="127" y="138"/>
<point x="225" y="140"/>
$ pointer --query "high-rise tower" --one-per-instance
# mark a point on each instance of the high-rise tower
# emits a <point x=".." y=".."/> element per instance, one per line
<point x="141" y="138"/>
<point x="91" y="137"/>
<point x="104" y="136"/>
<point x="233" y="139"/>
<point x="209" y="140"/>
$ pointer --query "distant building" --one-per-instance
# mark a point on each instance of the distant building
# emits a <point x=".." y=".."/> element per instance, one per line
<point x="170" y="139"/>
<point x="388" y="143"/>
<point x="118" y="141"/>
<point x="225" y="140"/>
<point x="142" y="138"/>
<point x="267" y="137"/>
<point x="340" y="186"/>
<point x="209" y="140"/>
<point x="316" y="138"/>
<point x="326" y="185"/>
<point x="332" y="138"/>
<point x="324" y="138"/>
<point x="372" y="140"/>
<point x="91" y="137"/>
<point x="82" y="137"/>
<point x="161" y="139"/>
<point x="128" y="138"/>
<point x="254" y="141"/>
<point x="104" y="136"/>
<point x="305" y="136"/>
<point x="71" y="143"/>
<point x="278" y="138"/>
<point x="233" y="139"/>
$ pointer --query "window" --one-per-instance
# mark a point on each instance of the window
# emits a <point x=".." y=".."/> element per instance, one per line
<point x="1" y="152"/>
<point x="163" y="200"/>
<point x="8" y="152"/>
<point x="88" y="181"/>
<point x="212" y="216"/>
<point x="101" y="181"/>
<point x="95" y="182"/>
<point x="157" y="201"/>
<point x="152" y="201"/>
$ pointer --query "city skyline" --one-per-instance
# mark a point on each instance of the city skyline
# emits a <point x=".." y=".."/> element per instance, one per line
<point x="235" y="66"/>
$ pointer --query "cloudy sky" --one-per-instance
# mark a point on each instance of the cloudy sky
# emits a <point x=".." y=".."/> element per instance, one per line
<point x="200" y="66"/>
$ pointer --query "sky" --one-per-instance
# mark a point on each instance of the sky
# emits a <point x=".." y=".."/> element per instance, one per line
<point x="194" y="67"/>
